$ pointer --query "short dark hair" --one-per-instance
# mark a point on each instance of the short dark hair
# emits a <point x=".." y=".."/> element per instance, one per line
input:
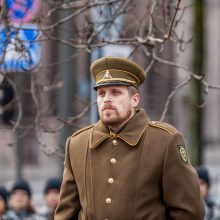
<point x="132" y="90"/>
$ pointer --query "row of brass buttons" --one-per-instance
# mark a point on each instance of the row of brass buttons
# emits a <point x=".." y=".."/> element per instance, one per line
<point x="111" y="180"/>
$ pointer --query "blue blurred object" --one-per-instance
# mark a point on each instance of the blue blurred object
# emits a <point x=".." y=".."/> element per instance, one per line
<point x="19" y="48"/>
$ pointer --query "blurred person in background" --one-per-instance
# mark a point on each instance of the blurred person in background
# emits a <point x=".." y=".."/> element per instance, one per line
<point x="20" y="206"/>
<point x="3" y="200"/>
<point x="51" y="198"/>
<point x="212" y="211"/>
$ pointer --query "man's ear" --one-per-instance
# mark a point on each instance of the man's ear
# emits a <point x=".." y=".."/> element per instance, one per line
<point x="135" y="100"/>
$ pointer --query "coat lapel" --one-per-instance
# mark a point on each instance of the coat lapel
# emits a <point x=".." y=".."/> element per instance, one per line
<point x="131" y="133"/>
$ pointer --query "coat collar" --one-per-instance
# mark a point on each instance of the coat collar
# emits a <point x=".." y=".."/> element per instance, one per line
<point x="130" y="134"/>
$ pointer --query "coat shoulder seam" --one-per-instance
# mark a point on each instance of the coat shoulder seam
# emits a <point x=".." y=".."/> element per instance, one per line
<point x="164" y="126"/>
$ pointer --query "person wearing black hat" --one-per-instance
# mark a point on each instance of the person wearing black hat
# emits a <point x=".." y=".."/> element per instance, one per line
<point x="212" y="211"/>
<point x="20" y="206"/>
<point x="51" y="197"/>
<point x="204" y="180"/>
<point x="3" y="200"/>
<point x="126" y="166"/>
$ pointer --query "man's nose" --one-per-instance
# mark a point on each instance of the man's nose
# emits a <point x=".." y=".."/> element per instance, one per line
<point x="107" y="97"/>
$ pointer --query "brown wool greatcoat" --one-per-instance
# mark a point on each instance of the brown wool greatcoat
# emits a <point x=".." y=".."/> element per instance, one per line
<point x="141" y="173"/>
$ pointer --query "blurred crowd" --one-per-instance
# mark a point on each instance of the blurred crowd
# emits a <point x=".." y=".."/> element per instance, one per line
<point x="16" y="203"/>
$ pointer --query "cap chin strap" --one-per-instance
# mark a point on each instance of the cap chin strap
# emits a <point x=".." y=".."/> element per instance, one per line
<point x="116" y="83"/>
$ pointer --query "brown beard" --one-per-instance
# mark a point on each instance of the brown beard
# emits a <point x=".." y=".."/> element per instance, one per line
<point x="117" y="120"/>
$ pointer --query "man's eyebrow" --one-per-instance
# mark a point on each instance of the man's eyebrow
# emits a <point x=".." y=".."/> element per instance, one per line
<point x="100" y="90"/>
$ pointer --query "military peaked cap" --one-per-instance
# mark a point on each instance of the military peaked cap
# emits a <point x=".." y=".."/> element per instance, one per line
<point x="117" y="71"/>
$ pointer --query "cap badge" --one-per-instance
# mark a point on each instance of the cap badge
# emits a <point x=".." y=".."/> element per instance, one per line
<point x="183" y="154"/>
<point x="107" y="75"/>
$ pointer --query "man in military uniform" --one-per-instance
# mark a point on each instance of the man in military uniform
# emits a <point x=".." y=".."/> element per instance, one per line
<point x="127" y="167"/>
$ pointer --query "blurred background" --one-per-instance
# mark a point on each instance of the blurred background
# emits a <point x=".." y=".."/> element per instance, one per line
<point x="46" y="91"/>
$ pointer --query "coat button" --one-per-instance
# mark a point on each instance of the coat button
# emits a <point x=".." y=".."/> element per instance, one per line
<point x="115" y="142"/>
<point x="108" y="200"/>
<point x="110" y="180"/>
<point x="113" y="161"/>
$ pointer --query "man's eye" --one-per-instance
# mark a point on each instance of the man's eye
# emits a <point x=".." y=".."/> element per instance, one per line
<point x="101" y="93"/>
<point x="116" y="92"/>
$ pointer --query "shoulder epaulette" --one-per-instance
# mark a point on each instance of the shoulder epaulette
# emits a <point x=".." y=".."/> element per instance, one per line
<point x="164" y="126"/>
<point x="81" y="130"/>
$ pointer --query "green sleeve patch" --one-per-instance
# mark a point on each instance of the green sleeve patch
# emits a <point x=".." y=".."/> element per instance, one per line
<point x="183" y="154"/>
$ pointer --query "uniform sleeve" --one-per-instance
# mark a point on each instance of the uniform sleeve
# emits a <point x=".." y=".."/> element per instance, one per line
<point x="69" y="204"/>
<point x="181" y="192"/>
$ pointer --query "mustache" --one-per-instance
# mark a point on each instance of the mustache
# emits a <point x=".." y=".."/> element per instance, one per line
<point x="107" y="106"/>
